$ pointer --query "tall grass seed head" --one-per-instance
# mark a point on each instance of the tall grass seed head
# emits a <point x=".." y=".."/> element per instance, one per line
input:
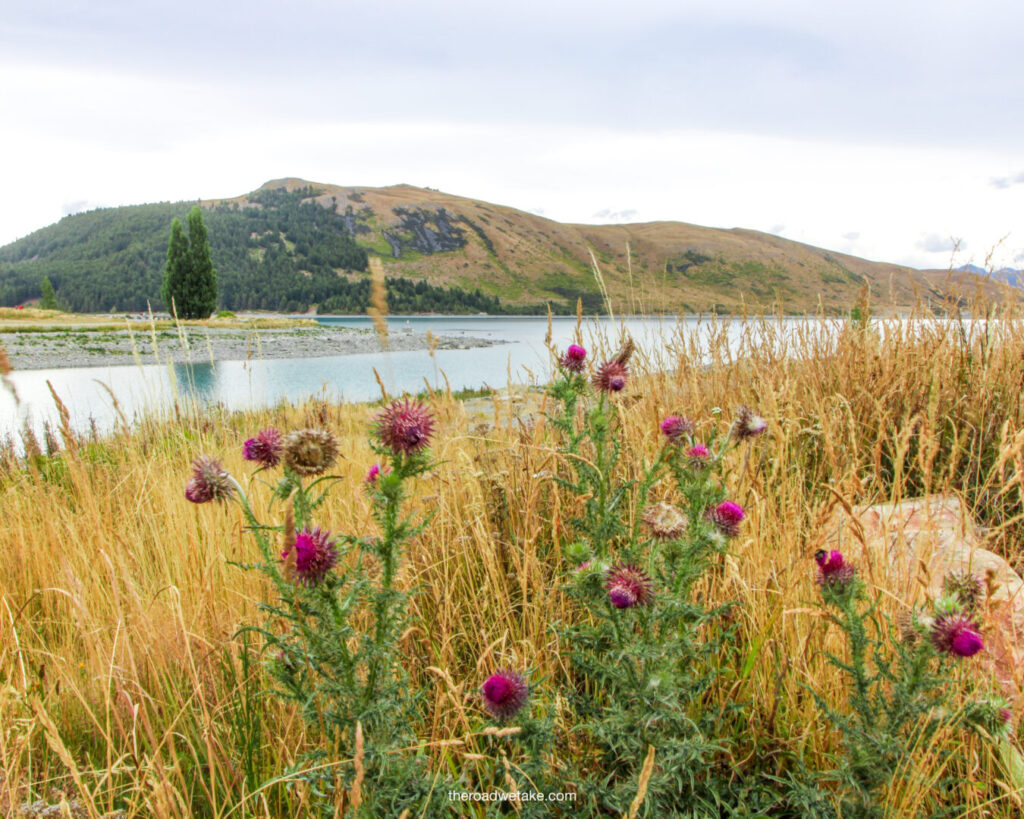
<point x="405" y="427"/>
<point x="674" y="428"/>
<point x="210" y="481"/>
<point x="315" y="555"/>
<point x="748" y="425"/>
<point x="265" y="448"/>
<point x="310" y="451"/>
<point x="628" y="586"/>
<point x="726" y="517"/>
<point x="665" y="521"/>
<point x="957" y="634"/>
<point x="574" y="358"/>
<point x="505" y="693"/>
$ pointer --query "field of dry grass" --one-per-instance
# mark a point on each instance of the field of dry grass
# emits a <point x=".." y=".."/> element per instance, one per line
<point x="123" y="685"/>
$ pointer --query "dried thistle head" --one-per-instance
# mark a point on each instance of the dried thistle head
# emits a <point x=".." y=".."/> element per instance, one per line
<point x="967" y="587"/>
<point x="210" y="481"/>
<point x="665" y="521"/>
<point x="310" y="451"/>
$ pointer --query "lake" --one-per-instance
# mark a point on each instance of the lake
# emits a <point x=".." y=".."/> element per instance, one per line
<point x="521" y="358"/>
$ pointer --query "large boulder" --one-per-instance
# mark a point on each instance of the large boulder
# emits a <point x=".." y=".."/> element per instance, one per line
<point x="909" y="547"/>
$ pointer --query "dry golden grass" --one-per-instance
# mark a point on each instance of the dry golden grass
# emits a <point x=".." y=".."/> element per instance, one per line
<point x="120" y="667"/>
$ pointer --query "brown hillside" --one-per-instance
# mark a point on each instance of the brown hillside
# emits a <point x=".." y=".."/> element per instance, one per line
<point x="656" y="266"/>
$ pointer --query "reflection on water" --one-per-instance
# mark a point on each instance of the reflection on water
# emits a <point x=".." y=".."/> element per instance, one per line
<point x="197" y="380"/>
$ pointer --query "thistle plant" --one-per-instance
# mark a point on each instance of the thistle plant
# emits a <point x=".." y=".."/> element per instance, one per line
<point x="902" y="685"/>
<point x="644" y="652"/>
<point x="348" y="681"/>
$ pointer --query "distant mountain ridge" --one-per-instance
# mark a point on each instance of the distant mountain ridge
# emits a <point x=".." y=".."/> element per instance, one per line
<point x="1010" y="275"/>
<point x="293" y="244"/>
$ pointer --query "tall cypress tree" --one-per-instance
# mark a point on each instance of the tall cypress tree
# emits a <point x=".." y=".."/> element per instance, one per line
<point x="202" y="278"/>
<point x="190" y="281"/>
<point x="175" y="287"/>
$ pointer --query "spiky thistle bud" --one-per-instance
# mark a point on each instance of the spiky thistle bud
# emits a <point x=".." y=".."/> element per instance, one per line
<point x="833" y="570"/>
<point x="726" y="518"/>
<point x="505" y="693"/>
<point x="675" y="427"/>
<point x="573" y="358"/>
<point x="957" y="634"/>
<point x="628" y="586"/>
<point x="209" y="481"/>
<point x="404" y="427"/>
<point x="967" y="587"/>
<point x="265" y="448"/>
<point x="315" y="555"/>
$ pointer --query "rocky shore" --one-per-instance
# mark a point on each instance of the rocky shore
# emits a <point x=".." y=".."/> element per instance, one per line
<point x="105" y="348"/>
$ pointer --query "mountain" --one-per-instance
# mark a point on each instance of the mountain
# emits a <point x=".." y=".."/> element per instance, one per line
<point x="293" y="244"/>
<point x="1010" y="275"/>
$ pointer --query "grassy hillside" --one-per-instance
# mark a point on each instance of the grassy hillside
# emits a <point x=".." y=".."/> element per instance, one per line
<point x="293" y="244"/>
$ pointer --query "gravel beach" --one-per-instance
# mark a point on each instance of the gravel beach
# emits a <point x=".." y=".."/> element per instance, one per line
<point x="95" y="348"/>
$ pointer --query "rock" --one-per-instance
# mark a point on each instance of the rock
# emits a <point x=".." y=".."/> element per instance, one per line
<point x="909" y="547"/>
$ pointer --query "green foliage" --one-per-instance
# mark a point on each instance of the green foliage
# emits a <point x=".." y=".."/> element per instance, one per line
<point x="347" y="681"/>
<point x="201" y="284"/>
<point x="47" y="298"/>
<point x="642" y="675"/>
<point x="177" y="270"/>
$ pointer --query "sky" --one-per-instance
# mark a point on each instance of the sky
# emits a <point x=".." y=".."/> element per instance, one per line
<point x="889" y="130"/>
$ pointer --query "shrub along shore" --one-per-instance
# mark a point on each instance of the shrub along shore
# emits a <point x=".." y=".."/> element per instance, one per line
<point x="579" y="569"/>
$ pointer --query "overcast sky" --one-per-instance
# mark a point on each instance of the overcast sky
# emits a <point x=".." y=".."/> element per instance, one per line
<point x="884" y="129"/>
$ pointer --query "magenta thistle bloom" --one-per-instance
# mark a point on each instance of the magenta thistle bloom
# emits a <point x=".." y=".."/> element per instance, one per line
<point x="674" y="428"/>
<point x="958" y="635"/>
<point x="628" y="586"/>
<point x="375" y="472"/>
<point x="315" y="555"/>
<point x="209" y="481"/>
<point x="405" y="427"/>
<point x="573" y="358"/>
<point x="505" y="693"/>
<point x="747" y="424"/>
<point x="266" y="448"/>
<point x="611" y="376"/>
<point x="699" y="456"/>
<point x="833" y="570"/>
<point x="726" y="518"/>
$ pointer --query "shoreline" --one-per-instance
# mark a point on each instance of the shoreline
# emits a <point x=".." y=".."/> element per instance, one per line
<point x="114" y="348"/>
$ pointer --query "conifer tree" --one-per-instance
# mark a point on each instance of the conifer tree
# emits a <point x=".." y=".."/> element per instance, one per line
<point x="48" y="299"/>
<point x="190" y="282"/>
<point x="202" y="276"/>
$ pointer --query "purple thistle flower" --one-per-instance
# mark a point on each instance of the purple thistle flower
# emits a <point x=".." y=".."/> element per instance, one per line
<point x="611" y="376"/>
<point x="726" y="518"/>
<point x="375" y="472"/>
<point x="315" y="555"/>
<point x="628" y="586"/>
<point x="266" y="448"/>
<point x="674" y="428"/>
<point x="833" y="570"/>
<point x="209" y="481"/>
<point x="957" y="634"/>
<point x="573" y="358"/>
<point x="505" y="693"/>
<point x="748" y="425"/>
<point x="699" y="456"/>
<point x="405" y="427"/>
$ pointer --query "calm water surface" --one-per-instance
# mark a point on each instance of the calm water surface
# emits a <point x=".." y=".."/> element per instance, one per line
<point x="521" y="357"/>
